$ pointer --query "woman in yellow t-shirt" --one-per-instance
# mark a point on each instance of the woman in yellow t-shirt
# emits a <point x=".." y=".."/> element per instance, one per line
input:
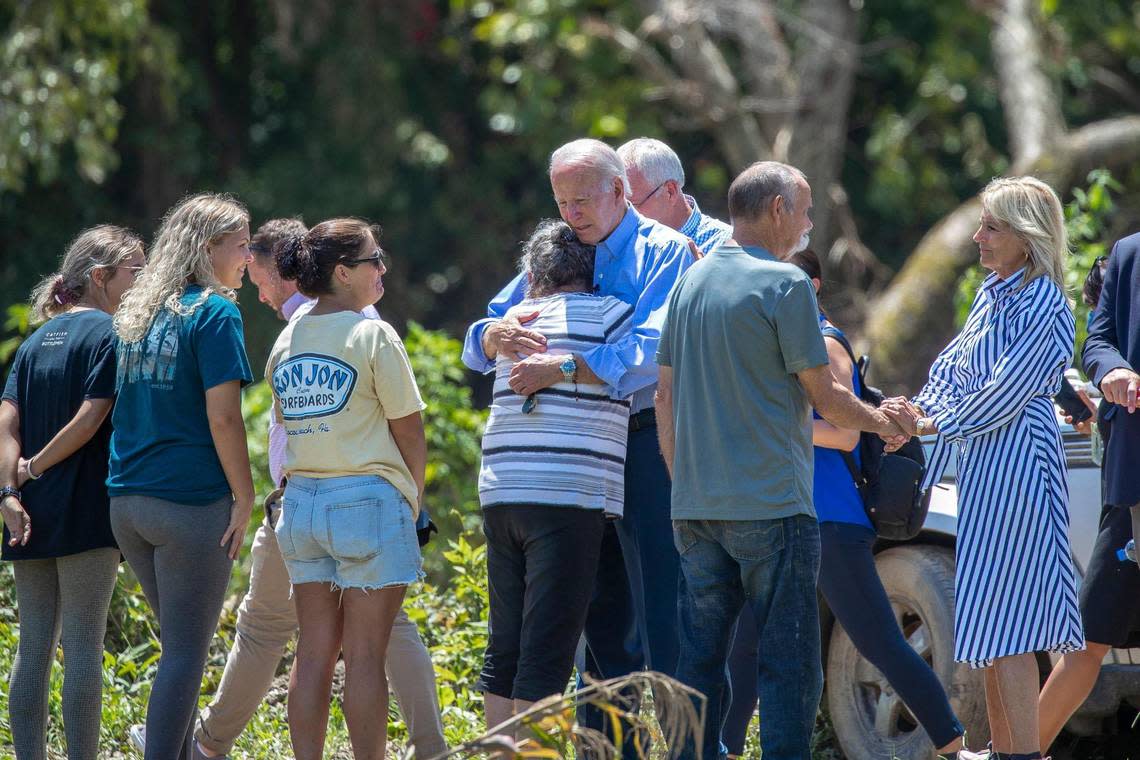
<point x="344" y="391"/>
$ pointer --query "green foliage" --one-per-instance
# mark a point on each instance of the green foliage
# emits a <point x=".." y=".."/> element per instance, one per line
<point x="17" y="326"/>
<point x="1087" y="218"/>
<point x="453" y="619"/>
<point x="256" y="406"/>
<point x="61" y="69"/>
<point x="454" y="430"/>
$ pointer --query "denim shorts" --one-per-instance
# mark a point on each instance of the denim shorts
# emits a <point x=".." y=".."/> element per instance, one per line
<point x="354" y="531"/>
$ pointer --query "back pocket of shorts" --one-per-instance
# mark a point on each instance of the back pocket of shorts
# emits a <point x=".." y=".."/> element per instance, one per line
<point x="354" y="529"/>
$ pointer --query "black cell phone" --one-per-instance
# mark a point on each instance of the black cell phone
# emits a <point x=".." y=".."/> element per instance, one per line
<point x="1071" y="403"/>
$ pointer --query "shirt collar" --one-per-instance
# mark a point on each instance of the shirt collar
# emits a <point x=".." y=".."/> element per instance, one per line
<point x="292" y="303"/>
<point x="693" y="223"/>
<point x="617" y="240"/>
<point x="758" y="252"/>
<point x="995" y="287"/>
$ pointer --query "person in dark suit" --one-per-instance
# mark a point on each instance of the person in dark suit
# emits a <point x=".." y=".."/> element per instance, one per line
<point x="1109" y="611"/>
<point x="1110" y="355"/>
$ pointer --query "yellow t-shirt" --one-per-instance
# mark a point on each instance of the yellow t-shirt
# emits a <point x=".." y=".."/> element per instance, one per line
<point x="337" y="379"/>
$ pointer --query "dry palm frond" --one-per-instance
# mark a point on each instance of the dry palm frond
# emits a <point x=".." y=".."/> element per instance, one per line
<point x="550" y="731"/>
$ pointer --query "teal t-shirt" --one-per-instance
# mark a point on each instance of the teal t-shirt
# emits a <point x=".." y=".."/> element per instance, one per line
<point x="740" y="325"/>
<point x="161" y="445"/>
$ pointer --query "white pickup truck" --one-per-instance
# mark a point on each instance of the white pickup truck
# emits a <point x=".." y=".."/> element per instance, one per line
<point x="869" y="719"/>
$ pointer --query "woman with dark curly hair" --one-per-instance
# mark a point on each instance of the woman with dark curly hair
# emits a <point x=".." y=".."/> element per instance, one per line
<point x="553" y="469"/>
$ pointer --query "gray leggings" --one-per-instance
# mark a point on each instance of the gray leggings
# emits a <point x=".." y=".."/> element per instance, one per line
<point x="61" y="600"/>
<point x="175" y="553"/>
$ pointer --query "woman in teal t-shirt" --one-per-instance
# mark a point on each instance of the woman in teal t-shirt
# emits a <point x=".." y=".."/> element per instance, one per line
<point x="180" y="483"/>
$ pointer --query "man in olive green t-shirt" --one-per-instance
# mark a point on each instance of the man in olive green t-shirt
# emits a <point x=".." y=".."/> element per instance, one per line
<point x="742" y="362"/>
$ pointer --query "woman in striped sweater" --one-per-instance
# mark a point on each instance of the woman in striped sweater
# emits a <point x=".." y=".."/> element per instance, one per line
<point x="553" y="469"/>
<point x="989" y="397"/>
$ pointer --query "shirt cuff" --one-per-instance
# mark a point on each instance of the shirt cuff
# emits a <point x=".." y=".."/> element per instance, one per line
<point x="603" y="363"/>
<point x="473" y="355"/>
<point x="1122" y="364"/>
<point x="947" y="425"/>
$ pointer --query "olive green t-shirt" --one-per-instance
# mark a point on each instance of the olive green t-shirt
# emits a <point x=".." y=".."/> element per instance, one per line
<point x="740" y="325"/>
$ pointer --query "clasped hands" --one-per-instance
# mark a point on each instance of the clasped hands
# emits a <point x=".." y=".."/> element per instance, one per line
<point x="904" y="416"/>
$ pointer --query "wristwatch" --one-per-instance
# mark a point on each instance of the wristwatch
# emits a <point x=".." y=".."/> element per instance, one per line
<point x="923" y="425"/>
<point x="569" y="369"/>
<point x="7" y="491"/>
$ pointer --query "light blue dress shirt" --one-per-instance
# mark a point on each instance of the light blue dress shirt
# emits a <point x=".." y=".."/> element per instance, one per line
<point x="706" y="231"/>
<point x="639" y="263"/>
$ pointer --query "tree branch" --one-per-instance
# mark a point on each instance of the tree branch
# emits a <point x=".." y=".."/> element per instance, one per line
<point x="1029" y="99"/>
<point x="765" y="56"/>
<point x="694" y="53"/>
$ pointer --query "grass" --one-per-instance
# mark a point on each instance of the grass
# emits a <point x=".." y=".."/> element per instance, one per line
<point x="451" y="618"/>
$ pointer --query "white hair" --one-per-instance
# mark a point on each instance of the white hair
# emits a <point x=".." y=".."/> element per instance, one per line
<point x="654" y="159"/>
<point x="594" y="155"/>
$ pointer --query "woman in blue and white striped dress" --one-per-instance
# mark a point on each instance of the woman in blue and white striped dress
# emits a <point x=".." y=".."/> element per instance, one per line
<point x="989" y="398"/>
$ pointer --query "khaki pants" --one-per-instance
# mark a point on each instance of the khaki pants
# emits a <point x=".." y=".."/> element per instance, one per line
<point x="266" y="622"/>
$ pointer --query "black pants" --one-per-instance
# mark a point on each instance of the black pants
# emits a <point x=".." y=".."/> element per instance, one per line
<point x="851" y="586"/>
<point x="1111" y="586"/>
<point x="541" y="565"/>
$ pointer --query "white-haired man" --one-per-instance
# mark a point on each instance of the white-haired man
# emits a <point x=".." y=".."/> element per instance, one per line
<point x="656" y="185"/>
<point x="638" y="261"/>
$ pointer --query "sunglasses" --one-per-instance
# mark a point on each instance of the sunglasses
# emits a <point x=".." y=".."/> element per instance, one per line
<point x="377" y="258"/>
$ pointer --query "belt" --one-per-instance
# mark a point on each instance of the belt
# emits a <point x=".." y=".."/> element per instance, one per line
<point x="646" y="418"/>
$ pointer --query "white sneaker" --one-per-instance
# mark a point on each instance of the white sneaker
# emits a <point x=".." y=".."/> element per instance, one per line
<point x="137" y="737"/>
<point x="196" y="753"/>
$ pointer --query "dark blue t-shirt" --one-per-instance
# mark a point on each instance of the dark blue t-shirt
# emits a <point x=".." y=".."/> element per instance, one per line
<point x="161" y="445"/>
<point x="67" y="360"/>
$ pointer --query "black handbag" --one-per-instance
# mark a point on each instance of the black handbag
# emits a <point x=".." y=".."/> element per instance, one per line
<point x="890" y="485"/>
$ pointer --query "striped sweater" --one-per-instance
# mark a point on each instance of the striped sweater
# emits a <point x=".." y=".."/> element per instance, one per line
<point x="570" y="450"/>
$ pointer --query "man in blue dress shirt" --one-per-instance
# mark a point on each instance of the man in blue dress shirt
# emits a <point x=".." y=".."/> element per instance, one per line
<point x="638" y="261"/>
<point x="657" y="182"/>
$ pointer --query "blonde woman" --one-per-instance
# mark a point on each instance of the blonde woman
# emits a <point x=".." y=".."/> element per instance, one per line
<point x="180" y="484"/>
<point x="53" y="465"/>
<point x="990" y="397"/>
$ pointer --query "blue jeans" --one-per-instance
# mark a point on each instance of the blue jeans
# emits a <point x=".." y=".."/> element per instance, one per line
<point x="632" y="620"/>
<point x="851" y="585"/>
<point x="353" y="531"/>
<point x="772" y="566"/>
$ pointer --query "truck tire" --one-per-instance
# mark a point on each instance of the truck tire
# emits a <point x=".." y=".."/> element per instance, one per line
<point x="869" y="718"/>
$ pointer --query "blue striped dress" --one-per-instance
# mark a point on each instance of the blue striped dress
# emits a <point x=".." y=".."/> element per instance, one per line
<point x="990" y="393"/>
